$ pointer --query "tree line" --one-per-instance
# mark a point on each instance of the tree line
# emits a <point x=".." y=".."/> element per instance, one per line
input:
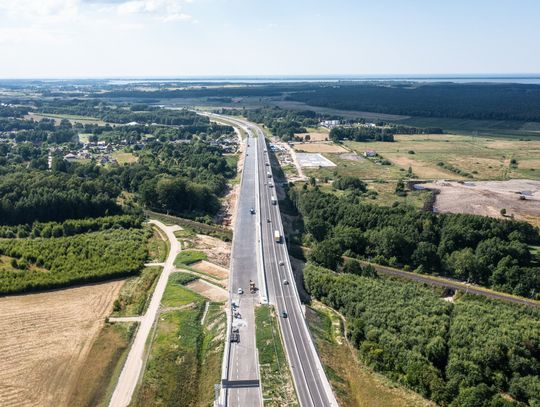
<point x="474" y="353"/>
<point x="70" y="227"/>
<point x="77" y="259"/>
<point x="520" y="102"/>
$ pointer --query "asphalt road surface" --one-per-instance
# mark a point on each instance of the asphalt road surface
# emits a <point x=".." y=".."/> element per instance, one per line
<point x="243" y="371"/>
<point x="311" y="384"/>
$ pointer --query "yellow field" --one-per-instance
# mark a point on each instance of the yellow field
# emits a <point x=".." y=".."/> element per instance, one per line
<point x="319" y="148"/>
<point x="315" y="134"/>
<point x="45" y="340"/>
<point x="484" y="158"/>
<point x="124" y="158"/>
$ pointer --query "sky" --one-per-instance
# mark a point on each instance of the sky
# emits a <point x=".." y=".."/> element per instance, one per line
<point x="190" y="38"/>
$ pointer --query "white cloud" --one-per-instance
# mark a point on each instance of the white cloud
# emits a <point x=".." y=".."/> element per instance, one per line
<point x="40" y="9"/>
<point x="31" y="35"/>
<point x="164" y="10"/>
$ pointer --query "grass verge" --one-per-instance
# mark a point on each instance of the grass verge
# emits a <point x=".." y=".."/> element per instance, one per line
<point x="276" y="380"/>
<point x="353" y="383"/>
<point x="96" y="383"/>
<point x="135" y="293"/>
<point x="187" y="257"/>
<point x="185" y="355"/>
<point x="157" y="246"/>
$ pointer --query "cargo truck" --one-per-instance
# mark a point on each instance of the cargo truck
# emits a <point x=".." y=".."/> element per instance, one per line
<point x="277" y="236"/>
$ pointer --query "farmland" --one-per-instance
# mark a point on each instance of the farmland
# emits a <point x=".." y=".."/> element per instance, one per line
<point x="484" y="158"/>
<point x="45" y="340"/>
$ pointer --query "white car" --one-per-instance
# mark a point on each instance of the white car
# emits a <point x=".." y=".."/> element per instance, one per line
<point x="285" y="282"/>
<point x="281" y="263"/>
<point x="240" y="291"/>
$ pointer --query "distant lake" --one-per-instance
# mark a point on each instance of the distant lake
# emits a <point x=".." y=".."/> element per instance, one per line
<point x="516" y="78"/>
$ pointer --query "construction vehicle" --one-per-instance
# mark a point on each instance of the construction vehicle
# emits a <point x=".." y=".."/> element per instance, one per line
<point x="252" y="287"/>
<point x="235" y="336"/>
<point x="277" y="236"/>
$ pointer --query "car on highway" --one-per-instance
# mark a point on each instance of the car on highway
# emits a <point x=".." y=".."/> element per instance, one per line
<point x="268" y="221"/>
<point x="285" y="282"/>
<point x="271" y="185"/>
<point x="284" y="314"/>
<point x="240" y="291"/>
<point x="252" y="211"/>
<point x="281" y="263"/>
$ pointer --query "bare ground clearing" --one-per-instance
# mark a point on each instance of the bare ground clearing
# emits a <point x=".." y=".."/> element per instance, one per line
<point x="218" y="251"/>
<point x="45" y="340"/>
<point x="208" y="290"/>
<point x="212" y="269"/>
<point x="489" y="197"/>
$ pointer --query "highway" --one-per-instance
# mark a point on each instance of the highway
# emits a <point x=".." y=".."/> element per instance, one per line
<point x="312" y="386"/>
<point x="240" y="376"/>
<point x="250" y="231"/>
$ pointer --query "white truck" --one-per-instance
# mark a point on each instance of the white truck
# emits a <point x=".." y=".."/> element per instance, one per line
<point x="273" y="200"/>
<point x="277" y="236"/>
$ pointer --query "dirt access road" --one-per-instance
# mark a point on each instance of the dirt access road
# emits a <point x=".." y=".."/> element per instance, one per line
<point x="134" y="363"/>
<point x="45" y="339"/>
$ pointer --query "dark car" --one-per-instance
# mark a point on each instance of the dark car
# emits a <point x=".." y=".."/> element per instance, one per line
<point x="284" y="314"/>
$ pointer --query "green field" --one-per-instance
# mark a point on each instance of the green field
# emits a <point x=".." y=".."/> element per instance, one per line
<point x="278" y="389"/>
<point x="187" y="257"/>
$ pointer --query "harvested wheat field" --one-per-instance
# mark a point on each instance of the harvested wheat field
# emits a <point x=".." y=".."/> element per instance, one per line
<point x="206" y="267"/>
<point x="45" y="339"/>
<point x="319" y="135"/>
<point x="210" y="291"/>
<point x="319" y="148"/>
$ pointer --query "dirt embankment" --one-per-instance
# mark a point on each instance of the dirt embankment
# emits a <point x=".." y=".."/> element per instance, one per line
<point x="45" y="339"/>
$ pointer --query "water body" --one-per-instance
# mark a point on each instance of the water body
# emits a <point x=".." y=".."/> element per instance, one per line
<point x="471" y="78"/>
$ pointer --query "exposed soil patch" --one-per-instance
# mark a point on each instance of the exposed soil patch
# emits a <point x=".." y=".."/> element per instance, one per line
<point x="208" y="290"/>
<point x="45" y="340"/>
<point x="489" y="197"/>
<point x="218" y="251"/>
<point x="212" y="269"/>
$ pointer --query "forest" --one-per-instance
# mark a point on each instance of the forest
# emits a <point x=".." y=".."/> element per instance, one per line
<point x="475" y="352"/>
<point x="46" y="263"/>
<point x="482" y="250"/>
<point x="282" y="123"/>
<point x="464" y="101"/>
